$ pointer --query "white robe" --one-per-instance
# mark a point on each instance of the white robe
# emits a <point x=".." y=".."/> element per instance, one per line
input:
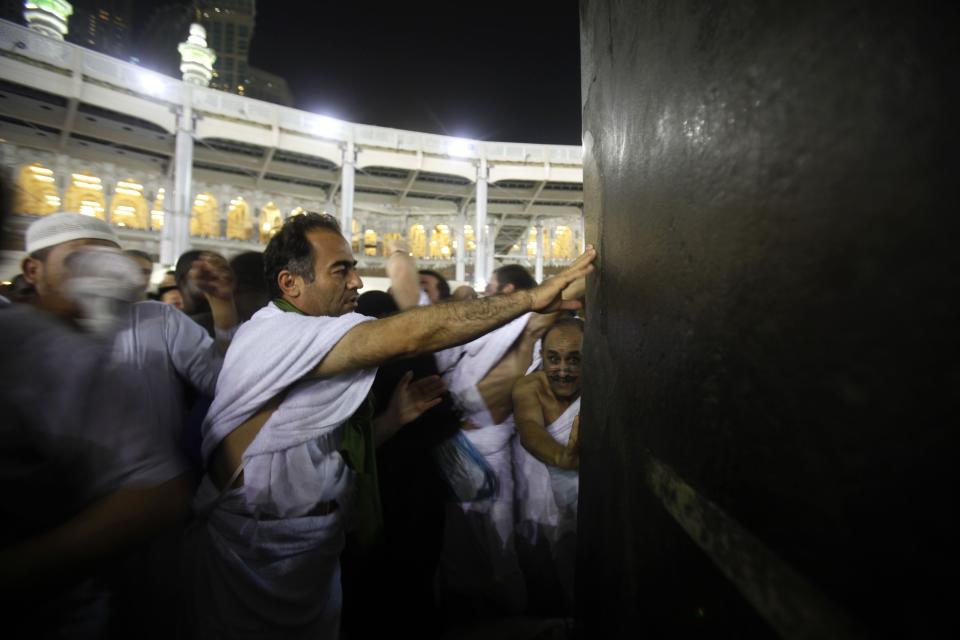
<point x="266" y="554"/>
<point x="566" y="485"/>
<point x="483" y="527"/>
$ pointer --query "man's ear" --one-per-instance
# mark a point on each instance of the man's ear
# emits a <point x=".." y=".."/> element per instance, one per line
<point x="508" y="288"/>
<point x="289" y="284"/>
<point x="32" y="268"/>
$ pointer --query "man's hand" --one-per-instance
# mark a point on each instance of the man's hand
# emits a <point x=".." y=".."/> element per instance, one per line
<point x="548" y="297"/>
<point x="409" y="401"/>
<point x="570" y="457"/>
<point x="212" y="275"/>
<point x="398" y="245"/>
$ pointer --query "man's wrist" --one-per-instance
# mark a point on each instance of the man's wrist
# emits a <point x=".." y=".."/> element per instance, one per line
<point x="530" y="300"/>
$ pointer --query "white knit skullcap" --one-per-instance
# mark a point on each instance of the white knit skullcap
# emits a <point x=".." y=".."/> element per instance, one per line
<point x="64" y="227"/>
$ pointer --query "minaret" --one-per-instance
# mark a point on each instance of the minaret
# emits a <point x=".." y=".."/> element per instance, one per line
<point x="48" y="17"/>
<point x="196" y="58"/>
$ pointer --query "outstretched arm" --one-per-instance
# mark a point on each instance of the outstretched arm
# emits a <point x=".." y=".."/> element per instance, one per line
<point x="429" y="329"/>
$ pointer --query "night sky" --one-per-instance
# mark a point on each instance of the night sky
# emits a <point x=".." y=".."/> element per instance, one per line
<point x="492" y="70"/>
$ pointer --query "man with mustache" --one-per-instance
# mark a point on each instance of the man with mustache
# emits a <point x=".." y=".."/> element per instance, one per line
<point x="289" y="439"/>
<point x="547" y="412"/>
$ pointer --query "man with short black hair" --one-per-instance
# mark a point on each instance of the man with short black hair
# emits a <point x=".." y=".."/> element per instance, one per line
<point x="509" y="278"/>
<point x="287" y="437"/>
<point x="435" y="285"/>
<point x="211" y="313"/>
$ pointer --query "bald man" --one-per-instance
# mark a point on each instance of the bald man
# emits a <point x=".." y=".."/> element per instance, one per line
<point x="547" y="413"/>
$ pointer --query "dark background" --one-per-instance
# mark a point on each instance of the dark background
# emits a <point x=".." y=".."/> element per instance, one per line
<point x="497" y="70"/>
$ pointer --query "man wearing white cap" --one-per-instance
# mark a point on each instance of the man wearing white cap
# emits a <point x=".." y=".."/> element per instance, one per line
<point x="165" y="345"/>
<point x="84" y="477"/>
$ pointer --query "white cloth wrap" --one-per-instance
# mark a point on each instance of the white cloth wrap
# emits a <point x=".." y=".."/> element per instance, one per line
<point x="462" y="368"/>
<point x="479" y="555"/>
<point x="565" y="482"/>
<point x="267" y="564"/>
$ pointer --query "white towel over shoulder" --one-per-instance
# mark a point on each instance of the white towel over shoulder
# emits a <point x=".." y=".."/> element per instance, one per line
<point x="565" y="482"/>
<point x="267" y="557"/>
<point x="271" y="353"/>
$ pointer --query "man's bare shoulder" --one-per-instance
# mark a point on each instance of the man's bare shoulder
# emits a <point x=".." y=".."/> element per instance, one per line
<point x="531" y="383"/>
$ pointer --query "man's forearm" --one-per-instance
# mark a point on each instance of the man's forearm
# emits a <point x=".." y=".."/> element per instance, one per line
<point x="541" y="446"/>
<point x="224" y="313"/>
<point x="404" y="282"/>
<point x="428" y="329"/>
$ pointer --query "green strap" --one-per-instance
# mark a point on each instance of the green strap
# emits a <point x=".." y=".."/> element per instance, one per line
<point x="360" y="453"/>
<point x="283" y="305"/>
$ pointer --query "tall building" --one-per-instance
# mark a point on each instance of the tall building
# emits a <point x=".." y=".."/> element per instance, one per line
<point x="102" y="25"/>
<point x="229" y="25"/>
<point x="266" y="86"/>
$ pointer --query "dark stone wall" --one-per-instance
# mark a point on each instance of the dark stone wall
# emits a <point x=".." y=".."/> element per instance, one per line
<point x="772" y="378"/>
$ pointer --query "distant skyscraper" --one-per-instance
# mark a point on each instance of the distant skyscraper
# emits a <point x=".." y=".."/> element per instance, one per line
<point x="229" y="25"/>
<point x="102" y="25"/>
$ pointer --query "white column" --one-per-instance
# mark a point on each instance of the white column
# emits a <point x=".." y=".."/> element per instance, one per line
<point x="63" y="173"/>
<point x="175" y="238"/>
<point x="346" y="191"/>
<point x="538" y="268"/>
<point x="461" y="274"/>
<point x="480" y="265"/>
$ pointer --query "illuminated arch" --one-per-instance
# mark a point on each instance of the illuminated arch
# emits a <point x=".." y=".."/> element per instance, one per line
<point x="440" y="241"/>
<point x="370" y="242"/>
<point x="205" y="217"/>
<point x="270" y="221"/>
<point x="387" y="238"/>
<point x="85" y="195"/>
<point x="128" y="207"/>
<point x="564" y="246"/>
<point x="37" y="192"/>
<point x="238" y="220"/>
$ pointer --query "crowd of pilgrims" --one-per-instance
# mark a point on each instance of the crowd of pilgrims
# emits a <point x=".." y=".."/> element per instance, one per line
<point x="254" y="449"/>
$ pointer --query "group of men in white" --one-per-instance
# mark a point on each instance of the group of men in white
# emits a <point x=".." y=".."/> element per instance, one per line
<point x="289" y="433"/>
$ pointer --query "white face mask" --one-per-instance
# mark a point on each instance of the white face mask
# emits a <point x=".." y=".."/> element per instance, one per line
<point x="103" y="283"/>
